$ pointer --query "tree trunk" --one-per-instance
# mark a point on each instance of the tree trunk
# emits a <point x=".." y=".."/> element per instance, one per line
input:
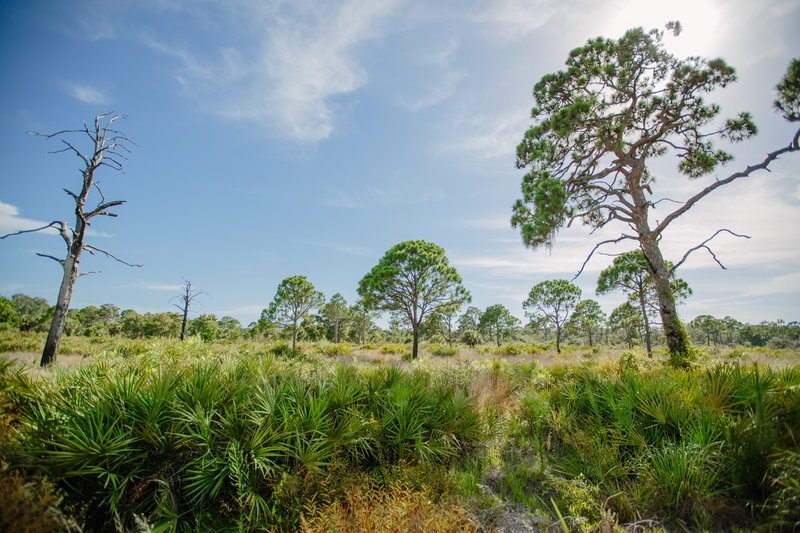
<point x="415" y="346"/>
<point x="62" y="306"/>
<point x="183" y="324"/>
<point x="677" y="343"/>
<point x="498" y="336"/>
<point x="294" y="335"/>
<point x="335" y="332"/>
<point x="646" y="324"/>
<point x="558" y="339"/>
<point x="590" y="337"/>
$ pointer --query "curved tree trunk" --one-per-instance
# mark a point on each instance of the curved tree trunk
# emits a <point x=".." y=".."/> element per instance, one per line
<point x="677" y="342"/>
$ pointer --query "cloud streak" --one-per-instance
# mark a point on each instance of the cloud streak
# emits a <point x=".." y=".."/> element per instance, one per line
<point x="288" y="70"/>
<point x="87" y="94"/>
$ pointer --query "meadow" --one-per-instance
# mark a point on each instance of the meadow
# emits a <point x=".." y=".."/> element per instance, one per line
<point x="133" y="435"/>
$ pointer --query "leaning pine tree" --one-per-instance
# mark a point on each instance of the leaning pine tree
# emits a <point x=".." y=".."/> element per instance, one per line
<point x="598" y="125"/>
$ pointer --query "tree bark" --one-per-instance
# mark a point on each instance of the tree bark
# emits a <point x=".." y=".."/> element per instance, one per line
<point x="183" y="324"/>
<point x="415" y="346"/>
<point x="558" y="339"/>
<point x="70" y="266"/>
<point x="677" y="343"/>
<point x="643" y="307"/>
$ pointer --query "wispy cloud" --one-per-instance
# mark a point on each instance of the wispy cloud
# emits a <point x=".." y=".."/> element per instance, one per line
<point x="288" y="69"/>
<point x="11" y="222"/>
<point x="159" y="286"/>
<point x="488" y="136"/>
<point x="87" y="94"/>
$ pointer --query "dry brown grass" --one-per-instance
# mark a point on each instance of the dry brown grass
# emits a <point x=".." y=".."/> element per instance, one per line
<point x="397" y="508"/>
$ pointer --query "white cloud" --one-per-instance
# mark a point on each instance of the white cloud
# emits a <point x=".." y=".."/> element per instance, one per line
<point x="87" y="94"/>
<point x="11" y="222"/>
<point x="488" y="136"/>
<point x="296" y="61"/>
<point x="436" y="93"/>
<point x="508" y="20"/>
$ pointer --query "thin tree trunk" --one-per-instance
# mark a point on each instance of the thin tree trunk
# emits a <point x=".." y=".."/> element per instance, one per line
<point x="498" y="336"/>
<point x="643" y="307"/>
<point x="335" y="332"/>
<point x="590" y="337"/>
<point x="294" y="335"/>
<point x="415" y="346"/>
<point x="62" y="305"/>
<point x="558" y="339"/>
<point x="185" y="314"/>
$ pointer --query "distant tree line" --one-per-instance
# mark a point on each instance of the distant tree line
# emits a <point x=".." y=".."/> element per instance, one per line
<point x="336" y="321"/>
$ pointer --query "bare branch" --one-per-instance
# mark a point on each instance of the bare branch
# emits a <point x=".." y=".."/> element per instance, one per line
<point x="101" y="209"/>
<point x="704" y="244"/>
<point x="20" y="232"/>
<point x="57" y="260"/>
<point x="794" y="146"/>
<point x="99" y="190"/>
<point x="598" y="245"/>
<point x="90" y="272"/>
<point x="91" y="249"/>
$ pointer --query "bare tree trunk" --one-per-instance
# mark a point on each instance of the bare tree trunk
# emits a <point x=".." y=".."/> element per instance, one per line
<point x="497" y="334"/>
<point x="294" y="335"/>
<point x="62" y="307"/>
<point x="183" y="324"/>
<point x="415" y="346"/>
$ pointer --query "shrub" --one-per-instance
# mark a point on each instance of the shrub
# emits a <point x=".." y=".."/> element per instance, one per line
<point x="368" y="509"/>
<point x="471" y="338"/>
<point x="393" y="348"/>
<point x="442" y="350"/>
<point x="333" y="350"/>
<point x="508" y="349"/>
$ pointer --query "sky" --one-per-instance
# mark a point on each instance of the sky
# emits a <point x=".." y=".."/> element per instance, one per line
<point x="276" y="138"/>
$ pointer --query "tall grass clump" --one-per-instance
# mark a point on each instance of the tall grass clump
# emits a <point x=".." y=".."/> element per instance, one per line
<point x="220" y="445"/>
<point x="694" y="447"/>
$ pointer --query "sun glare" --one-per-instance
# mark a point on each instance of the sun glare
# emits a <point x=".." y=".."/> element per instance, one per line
<point x="700" y="20"/>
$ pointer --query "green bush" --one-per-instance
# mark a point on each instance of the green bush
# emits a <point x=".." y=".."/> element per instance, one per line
<point x="188" y="443"/>
<point x="393" y="349"/>
<point x="334" y="350"/>
<point x="442" y="350"/>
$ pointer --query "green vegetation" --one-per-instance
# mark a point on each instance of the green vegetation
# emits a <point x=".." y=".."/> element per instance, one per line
<point x="599" y="127"/>
<point x="248" y="436"/>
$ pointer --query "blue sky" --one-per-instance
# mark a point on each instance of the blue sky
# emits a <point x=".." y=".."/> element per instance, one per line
<point x="308" y="137"/>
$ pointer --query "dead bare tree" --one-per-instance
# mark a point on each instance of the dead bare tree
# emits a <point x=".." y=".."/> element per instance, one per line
<point x="109" y="147"/>
<point x="185" y="298"/>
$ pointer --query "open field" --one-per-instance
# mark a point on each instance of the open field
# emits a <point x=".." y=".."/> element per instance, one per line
<point x="242" y="436"/>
